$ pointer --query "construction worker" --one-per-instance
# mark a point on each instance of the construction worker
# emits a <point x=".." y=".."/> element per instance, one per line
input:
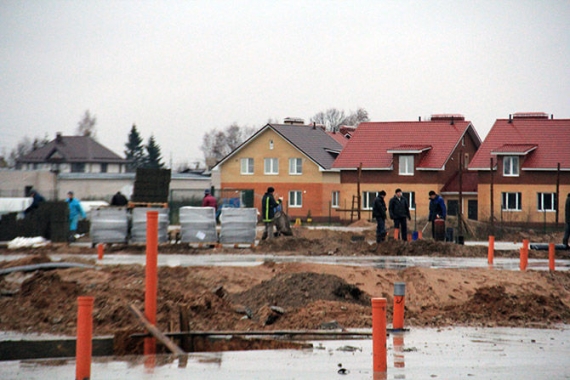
<point x="268" y="205"/>
<point x="379" y="213"/>
<point x="75" y="211"/>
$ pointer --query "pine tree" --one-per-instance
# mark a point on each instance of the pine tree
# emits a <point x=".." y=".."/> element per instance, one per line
<point x="135" y="150"/>
<point x="153" y="158"/>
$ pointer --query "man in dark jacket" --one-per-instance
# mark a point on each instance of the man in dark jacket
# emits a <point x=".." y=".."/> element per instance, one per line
<point x="379" y="213"/>
<point x="268" y="205"/>
<point x="567" y="229"/>
<point x="399" y="212"/>
<point x="119" y="199"/>
<point x="437" y="210"/>
<point x="37" y="199"/>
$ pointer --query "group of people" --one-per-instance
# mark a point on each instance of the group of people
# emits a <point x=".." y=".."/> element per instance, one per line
<point x="399" y="211"/>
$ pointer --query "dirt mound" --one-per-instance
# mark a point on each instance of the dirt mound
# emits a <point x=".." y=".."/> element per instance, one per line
<point x="29" y="260"/>
<point x="493" y="303"/>
<point x="299" y="290"/>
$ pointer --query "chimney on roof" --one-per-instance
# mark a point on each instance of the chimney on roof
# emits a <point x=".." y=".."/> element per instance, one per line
<point x="452" y="117"/>
<point x="551" y="116"/>
<point x="530" y="115"/>
<point x="294" y="121"/>
<point x="419" y="118"/>
<point x="314" y="125"/>
<point x="58" y="137"/>
<point x="510" y="118"/>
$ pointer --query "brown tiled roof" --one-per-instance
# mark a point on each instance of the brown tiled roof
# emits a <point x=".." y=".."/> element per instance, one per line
<point x="80" y="149"/>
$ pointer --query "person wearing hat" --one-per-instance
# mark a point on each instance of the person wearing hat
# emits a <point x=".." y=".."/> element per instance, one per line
<point x="268" y="205"/>
<point x="209" y="200"/>
<point x="75" y="211"/>
<point x="379" y="213"/>
<point x="37" y="199"/>
<point x="399" y="212"/>
<point x="437" y="210"/>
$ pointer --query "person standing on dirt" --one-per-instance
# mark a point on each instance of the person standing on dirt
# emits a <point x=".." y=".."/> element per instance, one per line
<point x="75" y="211"/>
<point x="379" y="213"/>
<point x="119" y="199"/>
<point x="567" y="228"/>
<point x="437" y="210"/>
<point x="37" y="199"/>
<point x="209" y="200"/>
<point x="400" y="213"/>
<point x="268" y="205"/>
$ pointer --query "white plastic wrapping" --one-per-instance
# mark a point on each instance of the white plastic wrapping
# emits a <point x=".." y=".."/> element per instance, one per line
<point x="198" y="225"/>
<point x="238" y="225"/>
<point x="138" y="230"/>
<point x="109" y="225"/>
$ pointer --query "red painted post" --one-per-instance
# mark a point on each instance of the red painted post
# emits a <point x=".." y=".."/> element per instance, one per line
<point x="379" y="354"/>
<point x="100" y="251"/>
<point x="83" y="346"/>
<point x="523" y="259"/>
<point x="151" y="287"/>
<point x="491" y="250"/>
<point x="399" y="302"/>
<point x="551" y="253"/>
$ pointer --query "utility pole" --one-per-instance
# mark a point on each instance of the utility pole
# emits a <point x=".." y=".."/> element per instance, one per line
<point x="492" y="200"/>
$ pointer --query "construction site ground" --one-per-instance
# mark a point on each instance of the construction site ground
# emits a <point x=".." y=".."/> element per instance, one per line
<point x="281" y="296"/>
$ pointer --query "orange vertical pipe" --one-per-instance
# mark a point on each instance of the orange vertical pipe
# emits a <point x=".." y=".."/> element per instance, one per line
<point x="83" y="347"/>
<point x="491" y="250"/>
<point x="551" y="252"/>
<point x="396" y="233"/>
<point x="525" y="245"/>
<point x="420" y="235"/>
<point x="100" y="251"/>
<point x="524" y="259"/>
<point x="379" y="355"/>
<point x="151" y="285"/>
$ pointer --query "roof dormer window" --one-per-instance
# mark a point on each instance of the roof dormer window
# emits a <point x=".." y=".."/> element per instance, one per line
<point x="511" y="166"/>
<point x="406" y="164"/>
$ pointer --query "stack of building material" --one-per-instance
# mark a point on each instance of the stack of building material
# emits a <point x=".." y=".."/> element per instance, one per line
<point x="138" y="230"/>
<point x="109" y="225"/>
<point x="198" y="225"/>
<point x="238" y="225"/>
<point x="151" y="186"/>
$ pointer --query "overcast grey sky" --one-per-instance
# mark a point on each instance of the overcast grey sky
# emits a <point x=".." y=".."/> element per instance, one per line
<point x="180" y="68"/>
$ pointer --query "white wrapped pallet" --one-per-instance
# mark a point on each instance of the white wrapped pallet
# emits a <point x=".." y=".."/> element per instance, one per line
<point x="198" y="225"/>
<point x="238" y="225"/>
<point x="109" y="225"/>
<point x="138" y="229"/>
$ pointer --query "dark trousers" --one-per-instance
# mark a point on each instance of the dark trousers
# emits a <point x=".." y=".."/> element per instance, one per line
<point x="380" y="230"/>
<point x="566" y="234"/>
<point x="401" y="223"/>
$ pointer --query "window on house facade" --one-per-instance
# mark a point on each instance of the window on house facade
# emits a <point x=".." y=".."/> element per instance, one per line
<point x="406" y="165"/>
<point x="104" y="168"/>
<point x="271" y="166"/>
<point x="511" y="166"/>
<point x="246" y="165"/>
<point x="368" y="199"/>
<point x="78" y="167"/>
<point x="335" y="199"/>
<point x="270" y="144"/>
<point x="546" y="201"/>
<point x="411" y="197"/>
<point x="295" y="198"/>
<point x="465" y="161"/>
<point x="295" y="166"/>
<point x="511" y="202"/>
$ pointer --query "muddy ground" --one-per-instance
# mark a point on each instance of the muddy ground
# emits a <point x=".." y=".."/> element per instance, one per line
<point x="283" y="296"/>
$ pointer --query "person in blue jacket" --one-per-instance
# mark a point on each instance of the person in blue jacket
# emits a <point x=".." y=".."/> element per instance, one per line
<point x="75" y="211"/>
<point x="437" y="210"/>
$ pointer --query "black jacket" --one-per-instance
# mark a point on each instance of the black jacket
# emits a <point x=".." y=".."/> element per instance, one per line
<point x="379" y="208"/>
<point x="399" y="208"/>
<point x="268" y="205"/>
<point x="567" y="209"/>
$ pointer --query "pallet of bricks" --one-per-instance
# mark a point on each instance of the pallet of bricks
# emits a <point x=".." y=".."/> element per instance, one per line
<point x="150" y="193"/>
<point x="198" y="226"/>
<point x="238" y="226"/>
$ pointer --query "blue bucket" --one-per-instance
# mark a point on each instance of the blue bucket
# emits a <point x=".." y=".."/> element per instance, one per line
<point x="415" y="235"/>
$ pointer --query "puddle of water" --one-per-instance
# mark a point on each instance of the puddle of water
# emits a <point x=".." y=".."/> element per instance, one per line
<point x="490" y="353"/>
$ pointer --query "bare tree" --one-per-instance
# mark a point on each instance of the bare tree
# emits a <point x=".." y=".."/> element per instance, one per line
<point x="86" y="126"/>
<point x="216" y="144"/>
<point x="333" y="118"/>
<point x="24" y="147"/>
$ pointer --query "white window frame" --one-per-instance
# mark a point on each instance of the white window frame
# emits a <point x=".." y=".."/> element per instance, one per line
<point x="505" y="197"/>
<point x="406" y="164"/>
<point x="368" y="199"/>
<point x="411" y="197"/>
<point x="540" y="202"/>
<point x="335" y="199"/>
<point x="295" y="199"/>
<point x="509" y="167"/>
<point x="295" y="166"/>
<point x="271" y="166"/>
<point x="246" y="166"/>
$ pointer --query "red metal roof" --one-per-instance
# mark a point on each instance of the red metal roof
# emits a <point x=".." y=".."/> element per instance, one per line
<point x="339" y="138"/>
<point x="550" y="136"/>
<point x="371" y="142"/>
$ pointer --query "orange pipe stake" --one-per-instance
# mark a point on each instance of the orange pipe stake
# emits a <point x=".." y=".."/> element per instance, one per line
<point x="100" y="251"/>
<point x="399" y="298"/>
<point x="396" y="233"/>
<point x="84" y="341"/>
<point x="379" y="355"/>
<point x="551" y="252"/>
<point x="151" y="287"/>
<point x="491" y="250"/>
<point x="524" y="259"/>
<point x="420" y="235"/>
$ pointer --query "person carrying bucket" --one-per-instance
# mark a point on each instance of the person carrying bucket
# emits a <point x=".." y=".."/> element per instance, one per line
<point x="437" y="215"/>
